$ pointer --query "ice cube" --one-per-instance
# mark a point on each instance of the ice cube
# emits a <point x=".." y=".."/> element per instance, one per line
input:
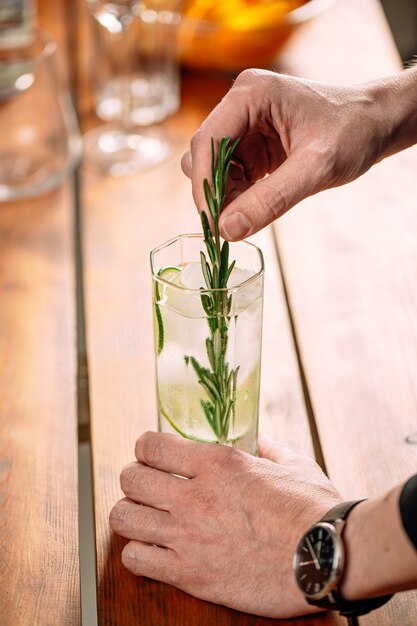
<point x="244" y="296"/>
<point x="238" y="276"/>
<point x="192" y="276"/>
<point x="171" y="364"/>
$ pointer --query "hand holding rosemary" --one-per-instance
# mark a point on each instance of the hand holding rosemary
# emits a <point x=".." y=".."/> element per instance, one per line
<point x="210" y="309"/>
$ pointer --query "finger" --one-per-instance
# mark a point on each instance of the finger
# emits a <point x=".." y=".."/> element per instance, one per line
<point x="235" y="188"/>
<point x="270" y="198"/>
<point x="186" y="163"/>
<point x="150" y="486"/>
<point x="174" y="454"/>
<point x="229" y="119"/>
<point x="239" y="171"/>
<point x="275" y="451"/>
<point x="136" y="521"/>
<point x="152" y="561"/>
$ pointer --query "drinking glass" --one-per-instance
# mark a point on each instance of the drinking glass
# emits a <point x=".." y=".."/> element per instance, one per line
<point x="208" y="365"/>
<point x="153" y="80"/>
<point x="17" y="20"/>
<point x="40" y="142"/>
<point x="136" y="80"/>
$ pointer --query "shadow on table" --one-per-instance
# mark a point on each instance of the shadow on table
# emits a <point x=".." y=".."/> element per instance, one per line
<point x="128" y="600"/>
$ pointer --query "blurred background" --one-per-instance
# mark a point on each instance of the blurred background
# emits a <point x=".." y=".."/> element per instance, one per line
<point x="238" y="18"/>
<point x="402" y="16"/>
<point x="125" y="62"/>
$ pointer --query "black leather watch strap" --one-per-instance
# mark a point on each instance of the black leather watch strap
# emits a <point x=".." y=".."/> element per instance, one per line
<point x="335" y="601"/>
<point x="408" y="508"/>
<point x="340" y="511"/>
<point x="349" y="608"/>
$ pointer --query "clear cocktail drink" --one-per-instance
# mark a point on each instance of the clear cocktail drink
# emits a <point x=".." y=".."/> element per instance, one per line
<point x="208" y="366"/>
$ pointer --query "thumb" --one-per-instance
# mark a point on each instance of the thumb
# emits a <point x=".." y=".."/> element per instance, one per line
<point x="270" y="198"/>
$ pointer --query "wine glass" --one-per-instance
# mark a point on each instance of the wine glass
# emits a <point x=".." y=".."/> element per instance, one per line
<point x="40" y="142"/>
<point x="120" y="148"/>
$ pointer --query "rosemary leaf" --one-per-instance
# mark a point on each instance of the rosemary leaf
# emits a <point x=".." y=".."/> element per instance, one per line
<point x="210" y="353"/>
<point x="213" y="156"/>
<point x="207" y="303"/>
<point x="206" y="270"/>
<point x="229" y="271"/>
<point x="224" y="261"/>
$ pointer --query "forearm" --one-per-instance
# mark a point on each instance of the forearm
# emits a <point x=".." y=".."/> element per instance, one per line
<point x="395" y="101"/>
<point x="380" y="558"/>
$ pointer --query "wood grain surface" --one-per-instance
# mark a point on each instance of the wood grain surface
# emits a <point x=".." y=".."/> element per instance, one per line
<point x="344" y="351"/>
<point x="39" y="566"/>
<point x="122" y="221"/>
<point x="39" y="577"/>
<point x="350" y="259"/>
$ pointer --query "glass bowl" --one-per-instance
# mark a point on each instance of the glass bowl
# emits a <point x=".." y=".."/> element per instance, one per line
<point x="218" y="36"/>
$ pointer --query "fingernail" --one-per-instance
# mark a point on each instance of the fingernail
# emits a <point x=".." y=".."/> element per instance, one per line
<point x="235" y="226"/>
<point x="128" y="554"/>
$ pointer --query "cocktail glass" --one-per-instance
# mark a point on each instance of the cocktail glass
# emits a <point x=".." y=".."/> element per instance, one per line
<point x="208" y="366"/>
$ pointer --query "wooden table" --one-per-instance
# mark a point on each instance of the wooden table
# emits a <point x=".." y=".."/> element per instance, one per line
<point x="339" y="356"/>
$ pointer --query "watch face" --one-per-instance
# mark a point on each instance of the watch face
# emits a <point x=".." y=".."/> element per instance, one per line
<point x="318" y="561"/>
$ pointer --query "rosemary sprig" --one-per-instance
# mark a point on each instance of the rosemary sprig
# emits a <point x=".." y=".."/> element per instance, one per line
<point x="219" y="381"/>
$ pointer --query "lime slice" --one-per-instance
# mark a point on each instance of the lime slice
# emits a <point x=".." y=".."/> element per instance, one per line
<point x="169" y="274"/>
<point x="180" y="405"/>
<point x="183" y="433"/>
<point x="204" y="437"/>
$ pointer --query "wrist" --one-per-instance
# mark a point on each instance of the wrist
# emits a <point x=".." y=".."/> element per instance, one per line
<point x="380" y="558"/>
<point x="322" y="547"/>
<point x="395" y="111"/>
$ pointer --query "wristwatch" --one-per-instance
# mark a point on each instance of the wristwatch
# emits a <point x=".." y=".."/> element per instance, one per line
<point x="319" y="565"/>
